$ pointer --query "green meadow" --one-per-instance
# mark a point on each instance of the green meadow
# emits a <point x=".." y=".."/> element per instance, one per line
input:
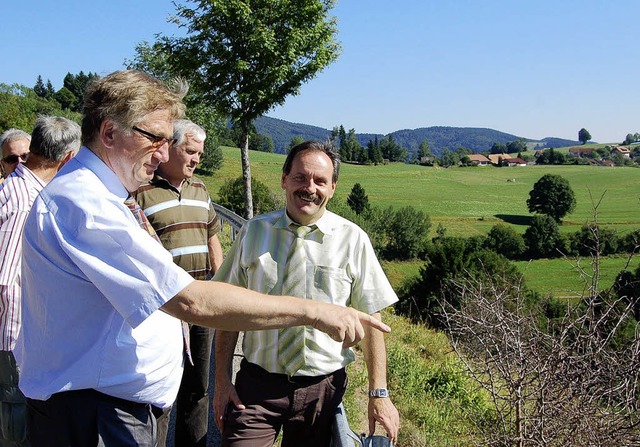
<point x="468" y="201"/>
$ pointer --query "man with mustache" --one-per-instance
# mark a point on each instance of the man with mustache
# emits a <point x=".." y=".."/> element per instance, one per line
<point x="294" y="379"/>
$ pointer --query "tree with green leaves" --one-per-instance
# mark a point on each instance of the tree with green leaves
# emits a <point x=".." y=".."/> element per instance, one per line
<point x="552" y="195"/>
<point x="20" y="106"/>
<point x="584" y="136"/>
<point x="357" y="199"/>
<point x="542" y="238"/>
<point x="518" y="145"/>
<point x="77" y="84"/>
<point x="423" y="151"/>
<point x="407" y="233"/>
<point x="66" y="99"/>
<point x="50" y="90"/>
<point x="504" y="240"/>
<point x="294" y="142"/>
<point x="231" y="196"/>
<point x="244" y="57"/>
<point x="498" y="148"/>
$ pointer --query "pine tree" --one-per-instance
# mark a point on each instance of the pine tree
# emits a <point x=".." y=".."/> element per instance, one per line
<point x="39" y="88"/>
<point x="358" y="200"/>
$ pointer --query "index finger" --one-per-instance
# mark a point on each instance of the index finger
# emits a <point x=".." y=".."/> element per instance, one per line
<point x="373" y="322"/>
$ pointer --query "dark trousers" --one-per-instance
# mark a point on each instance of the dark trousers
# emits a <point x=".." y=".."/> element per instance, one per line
<point x="192" y="404"/>
<point x="303" y="408"/>
<point x="88" y="418"/>
<point x="13" y="431"/>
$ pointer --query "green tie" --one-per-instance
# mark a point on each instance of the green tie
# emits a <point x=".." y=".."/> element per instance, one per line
<point x="291" y="341"/>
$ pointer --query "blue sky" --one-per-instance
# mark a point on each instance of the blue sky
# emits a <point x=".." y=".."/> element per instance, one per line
<point x="530" y="68"/>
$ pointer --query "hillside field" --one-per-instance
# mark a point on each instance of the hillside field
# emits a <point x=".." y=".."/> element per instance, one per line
<point x="467" y="201"/>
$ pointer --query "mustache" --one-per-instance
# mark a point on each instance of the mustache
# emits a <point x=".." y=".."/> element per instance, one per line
<point x="307" y="196"/>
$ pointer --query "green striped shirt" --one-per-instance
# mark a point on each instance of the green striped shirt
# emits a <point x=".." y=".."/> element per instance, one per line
<point x="341" y="269"/>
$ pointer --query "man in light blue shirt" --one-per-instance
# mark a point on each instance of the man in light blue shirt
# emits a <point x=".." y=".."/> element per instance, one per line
<point x="101" y="346"/>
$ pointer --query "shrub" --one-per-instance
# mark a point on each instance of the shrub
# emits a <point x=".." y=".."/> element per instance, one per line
<point x="504" y="240"/>
<point x="231" y="196"/>
<point x="592" y="239"/>
<point x="542" y="237"/>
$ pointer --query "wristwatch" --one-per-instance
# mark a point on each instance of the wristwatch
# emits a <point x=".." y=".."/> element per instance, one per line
<point x="379" y="392"/>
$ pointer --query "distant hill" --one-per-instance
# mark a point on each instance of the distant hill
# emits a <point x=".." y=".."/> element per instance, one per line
<point x="438" y="137"/>
<point x="281" y="132"/>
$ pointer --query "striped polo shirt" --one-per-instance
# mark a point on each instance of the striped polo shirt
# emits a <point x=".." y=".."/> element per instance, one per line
<point x="184" y="220"/>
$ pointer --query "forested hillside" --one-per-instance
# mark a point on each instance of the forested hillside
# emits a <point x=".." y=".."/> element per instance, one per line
<point x="438" y="137"/>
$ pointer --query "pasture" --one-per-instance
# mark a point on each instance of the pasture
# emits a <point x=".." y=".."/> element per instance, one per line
<point x="467" y="201"/>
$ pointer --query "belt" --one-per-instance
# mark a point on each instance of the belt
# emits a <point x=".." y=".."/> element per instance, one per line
<point x="254" y="369"/>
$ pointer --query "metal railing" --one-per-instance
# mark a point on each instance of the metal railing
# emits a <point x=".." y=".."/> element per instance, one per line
<point x="227" y="216"/>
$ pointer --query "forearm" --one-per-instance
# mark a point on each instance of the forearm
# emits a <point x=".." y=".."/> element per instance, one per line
<point x="225" y="345"/>
<point x="230" y="308"/>
<point x="375" y="355"/>
<point x="216" y="255"/>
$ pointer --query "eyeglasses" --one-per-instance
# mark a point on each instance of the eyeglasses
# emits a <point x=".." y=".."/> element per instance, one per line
<point x="156" y="140"/>
<point x="13" y="159"/>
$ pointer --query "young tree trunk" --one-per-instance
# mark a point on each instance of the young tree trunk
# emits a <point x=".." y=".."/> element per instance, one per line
<point x="246" y="171"/>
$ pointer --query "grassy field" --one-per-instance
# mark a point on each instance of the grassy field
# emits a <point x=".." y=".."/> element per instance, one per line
<point x="434" y="397"/>
<point x="570" y="278"/>
<point x="468" y="201"/>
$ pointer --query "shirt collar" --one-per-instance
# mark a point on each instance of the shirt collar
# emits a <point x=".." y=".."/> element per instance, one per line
<point x="21" y="171"/>
<point x="109" y="178"/>
<point x="324" y="224"/>
<point x="159" y="180"/>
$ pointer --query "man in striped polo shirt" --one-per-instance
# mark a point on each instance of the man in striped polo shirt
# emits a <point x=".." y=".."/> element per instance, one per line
<point x="55" y="140"/>
<point x="179" y="208"/>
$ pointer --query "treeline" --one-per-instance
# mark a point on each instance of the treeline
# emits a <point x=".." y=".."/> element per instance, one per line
<point x="21" y="105"/>
<point x="71" y="95"/>
<point x="599" y="155"/>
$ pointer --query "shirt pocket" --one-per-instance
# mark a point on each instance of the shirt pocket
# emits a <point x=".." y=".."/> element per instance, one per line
<point x="331" y="285"/>
<point x="262" y="274"/>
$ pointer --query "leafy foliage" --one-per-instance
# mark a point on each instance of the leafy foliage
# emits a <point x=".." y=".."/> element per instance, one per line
<point x="592" y="239"/>
<point x="552" y="195"/>
<point x="20" y="106"/>
<point x="231" y="196"/>
<point x="551" y="157"/>
<point x="505" y="241"/>
<point x="448" y="259"/>
<point x="243" y="57"/>
<point x="407" y="233"/>
<point x="584" y="136"/>
<point x="543" y="238"/>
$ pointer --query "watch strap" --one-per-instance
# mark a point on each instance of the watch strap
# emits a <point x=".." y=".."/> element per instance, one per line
<point x="379" y="392"/>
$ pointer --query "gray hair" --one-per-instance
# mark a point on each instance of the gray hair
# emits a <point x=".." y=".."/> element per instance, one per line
<point x="182" y="128"/>
<point x="13" y="134"/>
<point x="54" y="137"/>
<point x="325" y="147"/>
